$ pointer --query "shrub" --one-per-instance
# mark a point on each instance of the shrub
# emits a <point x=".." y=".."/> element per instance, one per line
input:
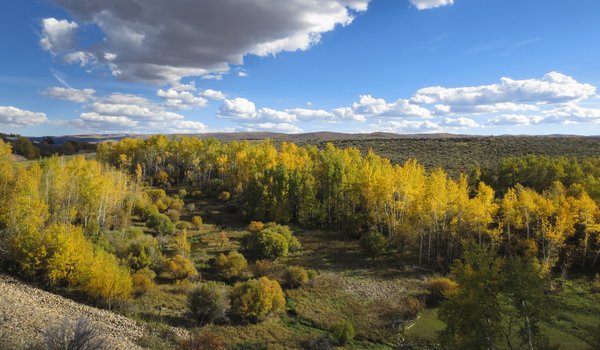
<point x="295" y="276"/>
<point x="224" y="196"/>
<point x="318" y="343"/>
<point x="265" y="268"/>
<point x="373" y="243"/>
<point x="596" y="284"/>
<point x="104" y="279"/>
<point x="182" y="193"/>
<point x="175" y="204"/>
<point x="412" y="307"/>
<point x="269" y="244"/>
<point x="256" y="299"/>
<point x="143" y="281"/>
<point x="161" y="223"/>
<point x="439" y="289"/>
<point x="197" y="221"/>
<point x="142" y="252"/>
<point x="173" y="214"/>
<point x="79" y="336"/>
<point x="342" y="332"/>
<point x="209" y="303"/>
<point x="231" y="265"/>
<point x="293" y="243"/>
<point x="203" y="341"/>
<point x="179" y="268"/>
<point x="147" y="211"/>
<point x="255" y="226"/>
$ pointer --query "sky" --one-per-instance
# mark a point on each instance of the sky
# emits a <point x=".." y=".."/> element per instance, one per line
<point x="485" y="67"/>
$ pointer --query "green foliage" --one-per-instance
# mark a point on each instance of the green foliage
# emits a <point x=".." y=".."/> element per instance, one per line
<point x="161" y="224"/>
<point x="373" y="243"/>
<point x="231" y="265"/>
<point x="342" y="332"/>
<point x="496" y="298"/>
<point x="24" y="147"/>
<point x="269" y="244"/>
<point x="256" y="299"/>
<point x="209" y="302"/>
<point x="295" y="276"/>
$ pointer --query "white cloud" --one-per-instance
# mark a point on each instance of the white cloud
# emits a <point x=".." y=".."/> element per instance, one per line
<point x="14" y="116"/>
<point x="70" y="94"/>
<point x="275" y="127"/>
<point x="429" y="4"/>
<point x="238" y="108"/>
<point x="552" y="88"/>
<point x="213" y="94"/>
<point x="242" y="74"/>
<point x="181" y="99"/>
<point x="57" y="35"/>
<point x="407" y="126"/>
<point x="515" y="119"/>
<point x="480" y="109"/>
<point x="460" y="123"/>
<point x="79" y="57"/>
<point x="369" y="106"/>
<point x="310" y="114"/>
<point x="571" y="113"/>
<point x="157" y="41"/>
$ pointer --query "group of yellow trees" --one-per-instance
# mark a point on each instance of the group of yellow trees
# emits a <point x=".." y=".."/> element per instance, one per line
<point x="427" y="212"/>
<point x="52" y="211"/>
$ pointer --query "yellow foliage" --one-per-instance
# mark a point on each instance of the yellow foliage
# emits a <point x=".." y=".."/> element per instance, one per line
<point x="180" y="268"/>
<point x="255" y="299"/>
<point x="105" y="280"/>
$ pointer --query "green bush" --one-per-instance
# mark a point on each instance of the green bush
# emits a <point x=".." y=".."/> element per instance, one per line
<point x="293" y="243"/>
<point x="295" y="276"/>
<point x="342" y="332"/>
<point x="256" y="299"/>
<point x="231" y="265"/>
<point x="373" y="243"/>
<point x="161" y="223"/>
<point x="209" y="303"/>
<point x="269" y="244"/>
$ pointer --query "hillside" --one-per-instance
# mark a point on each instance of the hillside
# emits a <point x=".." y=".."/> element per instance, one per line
<point x="26" y="312"/>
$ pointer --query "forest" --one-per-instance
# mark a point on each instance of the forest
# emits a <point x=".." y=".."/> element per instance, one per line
<point x="252" y="245"/>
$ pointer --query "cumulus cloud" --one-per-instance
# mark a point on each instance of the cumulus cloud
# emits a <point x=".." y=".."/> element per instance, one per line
<point x="287" y="128"/>
<point x="515" y="119"/>
<point x="460" y="123"/>
<point x="480" y="109"/>
<point x="57" y="35"/>
<point x="553" y="87"/>
<point x="13" y="116"/>
<point x="181" y="99"/>
<point x="429" y="4"/>
<point x="407" y="126"/>
<point x="70" y="94"/>
<point x="213" y="94"/>
<point x="157" y="41"/>
<point x="131" y="113"/>
<point x="369" y="106"/>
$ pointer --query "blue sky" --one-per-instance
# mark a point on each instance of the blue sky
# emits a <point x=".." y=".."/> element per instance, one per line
<point x="405" y="66"/>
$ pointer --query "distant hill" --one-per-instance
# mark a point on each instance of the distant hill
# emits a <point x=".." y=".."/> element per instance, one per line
<point x="453" y="152"/>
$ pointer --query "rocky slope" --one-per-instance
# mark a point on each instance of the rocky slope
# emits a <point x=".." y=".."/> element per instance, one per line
<point x="26" y="312"/>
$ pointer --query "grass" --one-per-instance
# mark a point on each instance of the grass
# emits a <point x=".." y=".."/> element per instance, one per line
<point x="350" y="286"/>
